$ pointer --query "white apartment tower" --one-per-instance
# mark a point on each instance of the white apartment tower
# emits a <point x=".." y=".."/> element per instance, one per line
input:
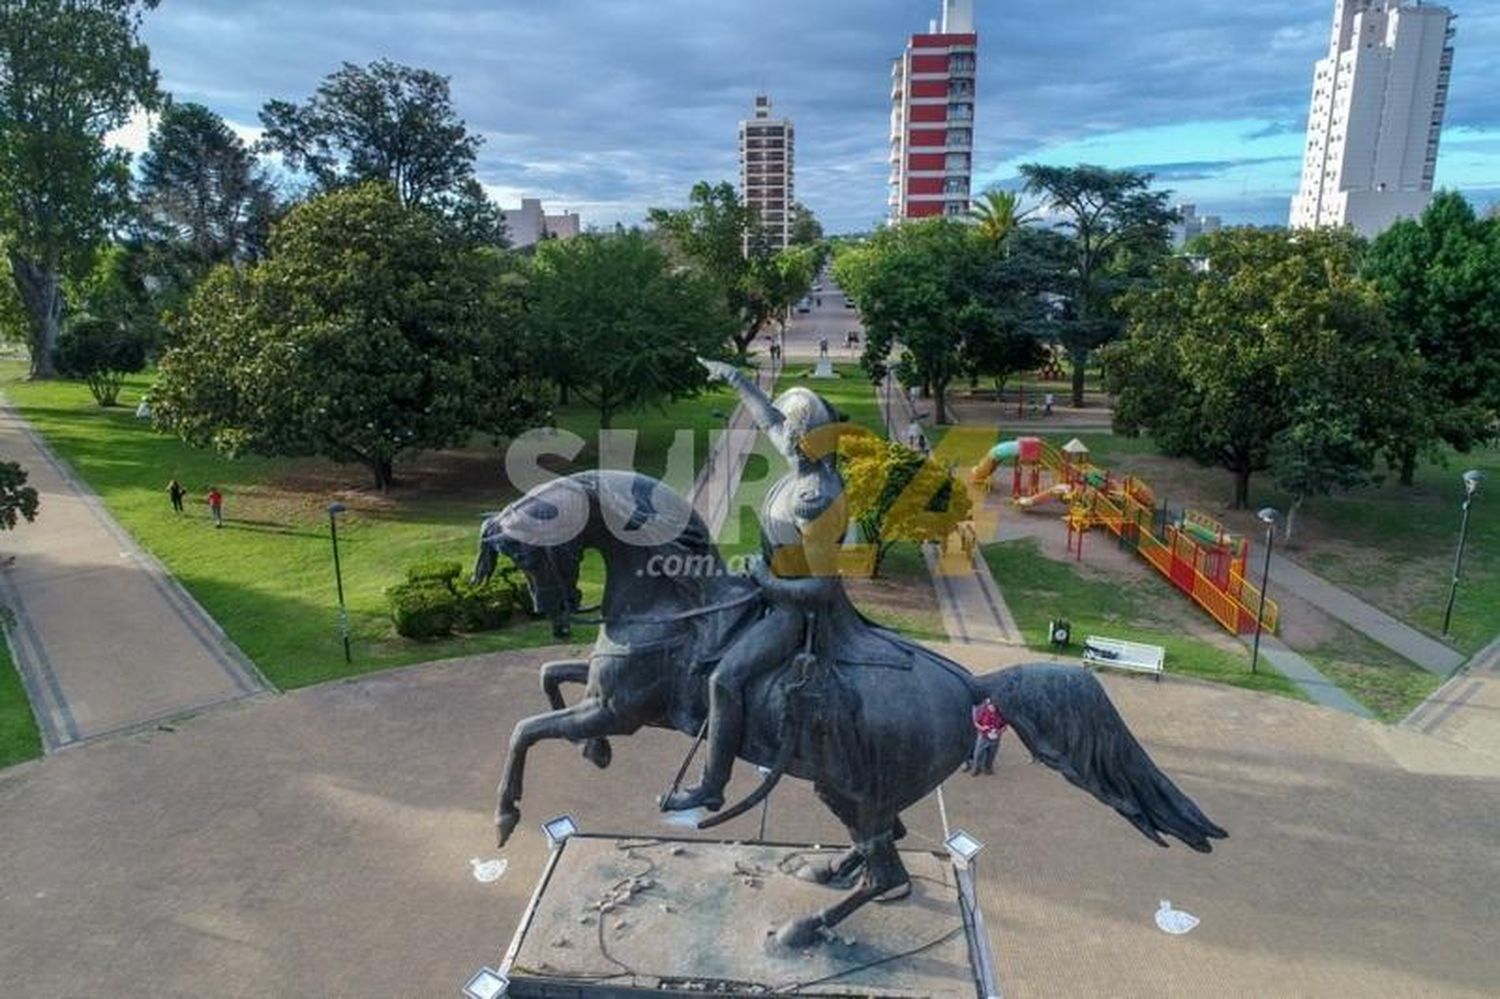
<point x="1377" y="113"/>
<point x="932" y="117"/>
<point x="766" y="146"/>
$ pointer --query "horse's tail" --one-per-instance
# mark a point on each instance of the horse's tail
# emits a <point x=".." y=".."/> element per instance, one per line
<point x="1065" y="718"/>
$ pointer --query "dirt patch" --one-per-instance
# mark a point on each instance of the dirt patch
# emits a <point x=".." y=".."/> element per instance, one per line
<point x="908" y="597"/>
<point x="472" y="476"/>
<point x="1302" y="626"/>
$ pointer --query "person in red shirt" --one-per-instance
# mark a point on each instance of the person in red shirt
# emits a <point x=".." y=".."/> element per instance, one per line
<point x="216" y="505"/>
<point x="988" y="724"/>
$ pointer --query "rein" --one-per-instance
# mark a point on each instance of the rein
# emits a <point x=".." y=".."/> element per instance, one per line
<point x="670" y="618"/>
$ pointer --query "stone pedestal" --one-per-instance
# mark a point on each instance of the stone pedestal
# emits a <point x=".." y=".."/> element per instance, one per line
<point x="824" y="368"/>
<point x="618" y="917"/>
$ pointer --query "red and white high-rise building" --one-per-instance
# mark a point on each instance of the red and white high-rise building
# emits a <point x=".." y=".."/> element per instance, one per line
<point x="932" y="117"/>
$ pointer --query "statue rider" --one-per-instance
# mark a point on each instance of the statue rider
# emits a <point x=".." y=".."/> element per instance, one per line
<point x="803" y="521"/>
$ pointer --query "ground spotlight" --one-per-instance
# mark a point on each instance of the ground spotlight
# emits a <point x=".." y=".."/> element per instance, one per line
<point x="487" y="983"/>
<point x="963" y="847"/>
<point x="559" y="829"/>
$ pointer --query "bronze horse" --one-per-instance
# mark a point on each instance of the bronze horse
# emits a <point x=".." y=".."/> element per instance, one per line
<point x="875" y="722"/>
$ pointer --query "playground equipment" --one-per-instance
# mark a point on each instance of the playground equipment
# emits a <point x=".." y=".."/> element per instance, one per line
<point x="1196" y="553"/>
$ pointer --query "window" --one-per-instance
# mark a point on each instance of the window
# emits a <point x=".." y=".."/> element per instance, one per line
<point x="960" y="112"/>
<point x="960" y="137"/>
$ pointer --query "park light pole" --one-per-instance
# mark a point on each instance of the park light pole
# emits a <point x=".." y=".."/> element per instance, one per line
<point x="334" y="509"/>
<point x="1471" y="486"/>
<point x="1267" y="516"/>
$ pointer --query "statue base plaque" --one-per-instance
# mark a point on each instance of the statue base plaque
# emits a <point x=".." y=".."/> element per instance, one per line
<point x="616" y="916"/>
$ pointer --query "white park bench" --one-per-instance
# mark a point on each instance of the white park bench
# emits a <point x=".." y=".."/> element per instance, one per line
<point x="1118" y="654"/>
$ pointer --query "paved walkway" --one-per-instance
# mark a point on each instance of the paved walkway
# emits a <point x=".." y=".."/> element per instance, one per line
<point x="1466" y="709"/>
<point x="105" y="639"/>
<point x="719" y="479"/>
<point x="1373" y="623"/>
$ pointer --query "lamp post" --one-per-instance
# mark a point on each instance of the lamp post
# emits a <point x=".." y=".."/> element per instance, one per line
<point x="1471" y="486"/>
<point x="1266" y="516"/>
<point x="334" y="509"/>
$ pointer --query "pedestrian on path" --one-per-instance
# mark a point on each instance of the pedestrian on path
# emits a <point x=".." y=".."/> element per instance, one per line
<point x="176" y="493"/>
<point x="216" y="505"/>
<point x="988" y="724"/>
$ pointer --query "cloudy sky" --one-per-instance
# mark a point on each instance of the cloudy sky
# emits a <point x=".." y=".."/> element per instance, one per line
<point x="608" y="107"/>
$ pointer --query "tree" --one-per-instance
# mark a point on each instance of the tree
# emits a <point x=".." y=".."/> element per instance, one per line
<point x="119" y="288"/>
<point x="997" y="214"/>
<point x="70" y="71"/>
<point x="718" y="234"/>
<point x="622" y="327"/>
<point x="1321" y="451"/>
<point x="390" y="123"/>
<point x="18" y="501"/>
<point x="101" y="352"/>
<point x="1440" y="279"/>
<point x="1278" y="344"/>
<point x="998" y="349"/>
<point x="1119" y="229"/>
<point x="201" y="189"/>
<point x="778" y="281"/>
<point x="898" y="494"/>
<point x="366" y="335"/>
<point x="918" y="284"/>
<point x="806" y="229"/>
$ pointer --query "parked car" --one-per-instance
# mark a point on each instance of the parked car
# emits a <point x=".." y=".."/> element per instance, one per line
<point x="848" y="302"/>
<point x="804" y="306"/>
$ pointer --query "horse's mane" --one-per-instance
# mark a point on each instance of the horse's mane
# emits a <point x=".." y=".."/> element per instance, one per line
<point x="658" y="518"/>
<point x="647" y="512"/>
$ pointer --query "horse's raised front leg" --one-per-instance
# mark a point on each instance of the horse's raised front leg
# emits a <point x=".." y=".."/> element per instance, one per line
<point x="585" y="720"/>
<point x="554" y="675"/>
<point x="884" y="873"/>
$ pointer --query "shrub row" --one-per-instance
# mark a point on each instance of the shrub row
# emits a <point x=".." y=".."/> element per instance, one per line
<point x="434" y="602"/>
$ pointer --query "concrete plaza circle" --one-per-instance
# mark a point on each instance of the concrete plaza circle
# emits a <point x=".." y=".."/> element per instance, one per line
<point x="320" y="843"/>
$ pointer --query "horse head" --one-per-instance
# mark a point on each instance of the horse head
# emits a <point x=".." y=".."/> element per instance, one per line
<point x="540" y="533"/>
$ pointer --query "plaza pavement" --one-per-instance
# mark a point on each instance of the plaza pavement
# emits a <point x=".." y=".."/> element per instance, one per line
<point x="319" y="844"/>
<point x="1466" y="709"/>
<point x="104" y="638"/>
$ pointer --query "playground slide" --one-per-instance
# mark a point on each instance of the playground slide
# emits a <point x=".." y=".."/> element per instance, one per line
<point x="1004" y="451"/>
<point x="1061" y="491"/>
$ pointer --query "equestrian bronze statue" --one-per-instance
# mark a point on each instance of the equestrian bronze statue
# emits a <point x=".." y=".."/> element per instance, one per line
<point x="778" y="668"/>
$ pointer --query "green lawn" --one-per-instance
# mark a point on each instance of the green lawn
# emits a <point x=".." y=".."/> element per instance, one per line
<point x="267" y="578"/>
<point x="19" y="739"/>
<point x="851" y="393"/>
<point x="1039" y="589"/>
<point x="1379" y="679"/>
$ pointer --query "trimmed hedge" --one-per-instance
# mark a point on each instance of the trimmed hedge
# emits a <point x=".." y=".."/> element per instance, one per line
<point x="434" y="601"/>
<point x="423" y="609"/>
<point x="444" y="573"/>
<point x="484" y="607"/>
